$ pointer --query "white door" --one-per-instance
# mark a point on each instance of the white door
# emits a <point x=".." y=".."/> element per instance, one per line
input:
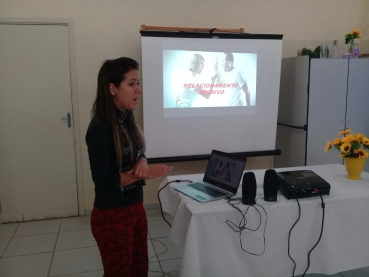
<point x="357" y="113"/>
<point x="37" y="159"/>
<point x="327" y="108"/>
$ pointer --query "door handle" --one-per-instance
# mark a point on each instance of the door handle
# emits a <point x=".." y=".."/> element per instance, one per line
<point x="68" y="119"/>
<point x="294" y="127"/>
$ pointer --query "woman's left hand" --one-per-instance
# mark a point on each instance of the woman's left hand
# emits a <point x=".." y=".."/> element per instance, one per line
<point x="140" y="169"/>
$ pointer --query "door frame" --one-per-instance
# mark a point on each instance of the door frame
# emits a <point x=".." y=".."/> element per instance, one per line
<point x="68" y="22"/>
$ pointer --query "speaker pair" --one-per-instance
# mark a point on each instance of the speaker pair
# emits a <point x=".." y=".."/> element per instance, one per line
<point x="270" y="187"/>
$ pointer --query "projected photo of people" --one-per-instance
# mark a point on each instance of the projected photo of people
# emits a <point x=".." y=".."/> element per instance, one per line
<point x="188" y="94"/>
<point x="223" y="170"/>
<point x="193" y="79"/>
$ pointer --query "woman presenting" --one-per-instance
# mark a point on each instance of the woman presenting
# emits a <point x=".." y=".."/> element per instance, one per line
<point x="119" y="167"/>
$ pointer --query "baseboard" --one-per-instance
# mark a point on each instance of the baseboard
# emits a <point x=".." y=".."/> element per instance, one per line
<point x="152" y="206"/>
<point x="88" y="212"/>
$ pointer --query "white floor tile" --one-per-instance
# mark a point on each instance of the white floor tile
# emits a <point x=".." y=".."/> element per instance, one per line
<point x="4" y="243"/>
<point x="151" y="251"/>
<point x="166" y="249"/>
<point x="158" y="229"/>
<point x="98" y="273"/>
<point x="75" y="261"/>
<point x="38" y="227"/>
<point x="155" y="270"/>
<point x="75" y="239"/>
<point x="7" y="230"/>
<point x="31" y="245"/>
<point x="26" y="266"/>
<point x="75" y="223"/>
<point x="171" y="267"/>
<point x="155" y="214"/>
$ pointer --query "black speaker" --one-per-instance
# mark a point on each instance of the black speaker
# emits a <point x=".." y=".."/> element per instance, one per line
<point x="248" y="188"/>
<point x="270" y="185"/>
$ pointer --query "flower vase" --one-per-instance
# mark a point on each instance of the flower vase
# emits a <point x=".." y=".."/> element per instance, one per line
<point x="355" y="52"/>
<point x="352" y="44"/>
<point x="354" y="167"/>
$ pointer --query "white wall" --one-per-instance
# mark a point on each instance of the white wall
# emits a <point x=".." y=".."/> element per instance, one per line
<point x="110" y="29"/>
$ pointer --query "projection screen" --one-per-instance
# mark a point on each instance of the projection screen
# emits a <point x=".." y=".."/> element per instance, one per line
<point x="205" y="91"/>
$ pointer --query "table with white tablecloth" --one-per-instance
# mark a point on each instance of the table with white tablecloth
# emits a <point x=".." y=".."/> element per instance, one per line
<point x="211" y="248"/>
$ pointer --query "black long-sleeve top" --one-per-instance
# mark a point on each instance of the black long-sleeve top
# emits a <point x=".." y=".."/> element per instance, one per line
<point x="105" y="168"/>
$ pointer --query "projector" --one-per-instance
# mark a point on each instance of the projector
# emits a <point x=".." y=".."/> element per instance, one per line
<point x="302" y="184"/>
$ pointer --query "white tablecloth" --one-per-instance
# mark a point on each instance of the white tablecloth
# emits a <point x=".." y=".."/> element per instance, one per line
<point x="212" y="249"/>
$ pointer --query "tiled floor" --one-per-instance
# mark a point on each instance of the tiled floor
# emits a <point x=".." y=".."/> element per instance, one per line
<point x="65" y="247"/>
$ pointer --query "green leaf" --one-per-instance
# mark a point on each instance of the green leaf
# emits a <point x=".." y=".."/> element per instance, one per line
<point x="355" y="145"/>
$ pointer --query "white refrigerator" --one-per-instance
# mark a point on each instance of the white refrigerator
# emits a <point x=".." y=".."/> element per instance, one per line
<point x="318" y="98"/>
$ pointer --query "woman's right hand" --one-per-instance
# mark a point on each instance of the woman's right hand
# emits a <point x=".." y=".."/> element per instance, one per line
<point x="157" y="170"/>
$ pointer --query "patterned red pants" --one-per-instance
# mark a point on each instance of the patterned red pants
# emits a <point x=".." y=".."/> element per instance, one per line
<point x="121" y="235"/>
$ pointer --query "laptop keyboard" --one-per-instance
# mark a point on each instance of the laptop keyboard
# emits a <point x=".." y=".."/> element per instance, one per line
<point x="207" y="190"/>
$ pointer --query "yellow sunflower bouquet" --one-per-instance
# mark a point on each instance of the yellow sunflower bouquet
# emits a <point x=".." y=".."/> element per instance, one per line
<point x="350" y="145"/>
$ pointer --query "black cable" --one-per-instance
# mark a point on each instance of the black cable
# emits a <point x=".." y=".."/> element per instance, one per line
<point x="289" y="238"/>
<point x="161" y="208"/>
<point x="212" y="30"/>
<point x="320" y="236"/>
<point x="266" y="221"/>
<point x="242" y="225"/>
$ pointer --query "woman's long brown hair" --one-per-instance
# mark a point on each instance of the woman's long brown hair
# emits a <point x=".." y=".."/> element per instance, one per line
<point x="113" y="72"/>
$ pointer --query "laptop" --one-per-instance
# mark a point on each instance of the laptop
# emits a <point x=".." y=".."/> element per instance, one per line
<point x="222" y="178"/>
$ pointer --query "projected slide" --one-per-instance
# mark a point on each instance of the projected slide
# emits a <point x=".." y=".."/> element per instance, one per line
<point x="195" y="79"/>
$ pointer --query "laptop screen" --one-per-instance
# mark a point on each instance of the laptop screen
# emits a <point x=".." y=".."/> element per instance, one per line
<point x="225" y="170"/>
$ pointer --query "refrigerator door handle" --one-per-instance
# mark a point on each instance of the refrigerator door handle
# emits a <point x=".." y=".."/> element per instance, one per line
<point x="294" y="127"/>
